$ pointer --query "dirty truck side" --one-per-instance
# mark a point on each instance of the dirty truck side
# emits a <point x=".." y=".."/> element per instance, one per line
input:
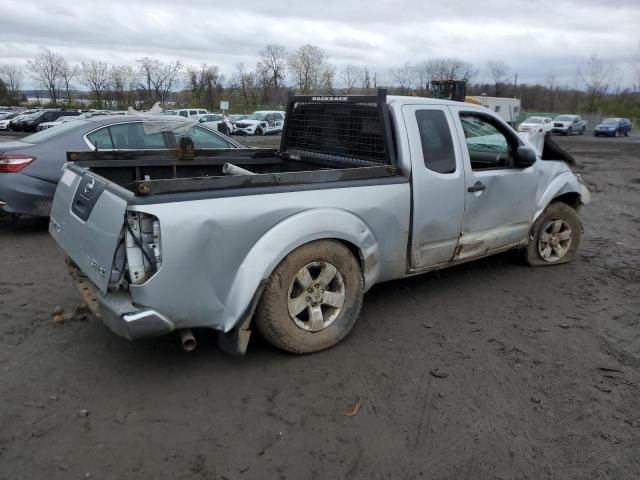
<point x="362" y="190"/>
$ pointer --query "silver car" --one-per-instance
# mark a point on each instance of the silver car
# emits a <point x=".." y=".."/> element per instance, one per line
<point x="31" y="167"/>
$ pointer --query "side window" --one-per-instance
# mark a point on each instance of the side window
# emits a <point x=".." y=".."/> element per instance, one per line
<point x="183" y="113"/>
<point x="101" y="139"/>
<point x="437" y="145"/>
<point x="193" y="112"/>
<point x="132" y="135"/>
<point x="488" y="146"/>
<point x="203" y="138"/>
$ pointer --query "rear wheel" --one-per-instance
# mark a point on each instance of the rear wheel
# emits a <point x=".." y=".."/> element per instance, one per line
<point x="555" y="236"/>
<point x="312" y="299"/>
<point x="569" y="131"/>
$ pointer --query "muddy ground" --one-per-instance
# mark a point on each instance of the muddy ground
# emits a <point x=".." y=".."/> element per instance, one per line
<point x="542" y="372"/>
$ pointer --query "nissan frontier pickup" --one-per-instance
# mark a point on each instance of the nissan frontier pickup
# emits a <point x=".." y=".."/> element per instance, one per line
<point x="363" y="189"/>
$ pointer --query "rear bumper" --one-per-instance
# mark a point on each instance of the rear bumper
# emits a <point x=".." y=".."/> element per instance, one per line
<point x="118" y="313"/>
<point x="26" y="195"/>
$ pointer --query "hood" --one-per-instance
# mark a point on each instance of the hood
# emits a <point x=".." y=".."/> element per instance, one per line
<point x="606" y="125"/>
<point x="246" y="121"/>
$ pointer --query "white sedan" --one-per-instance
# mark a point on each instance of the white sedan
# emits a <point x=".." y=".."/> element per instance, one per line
<point x="536" y="124"/>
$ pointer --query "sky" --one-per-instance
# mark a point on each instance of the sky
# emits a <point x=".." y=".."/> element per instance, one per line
<point x="536" y="38"/>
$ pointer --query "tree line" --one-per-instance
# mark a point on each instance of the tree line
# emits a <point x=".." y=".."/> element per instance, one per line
<point x="305" y="70"/>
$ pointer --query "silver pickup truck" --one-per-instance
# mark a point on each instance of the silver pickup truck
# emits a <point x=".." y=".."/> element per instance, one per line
<point x="363" y="189"/>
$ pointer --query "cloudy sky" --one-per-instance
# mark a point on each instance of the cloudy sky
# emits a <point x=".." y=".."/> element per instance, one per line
<point x="535" y="38"/>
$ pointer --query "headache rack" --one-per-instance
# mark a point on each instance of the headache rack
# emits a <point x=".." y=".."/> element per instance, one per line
<point x="339" y="129"/>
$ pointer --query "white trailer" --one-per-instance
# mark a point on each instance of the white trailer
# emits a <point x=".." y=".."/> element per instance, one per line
<point x="507" y="108"/>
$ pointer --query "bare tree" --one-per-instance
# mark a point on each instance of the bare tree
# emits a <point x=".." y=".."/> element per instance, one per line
<point x="352" y="76"/>
<point x="67" y="74"/>
<point x="46" y="68"/>
<point x="450" y="69"/>
<point x="311" y="69"/>
<point x="550" y="84"/>
<point x="272" y="67"/>
<point x="499" y="73"/>
<point x="422" y="76"/>
<point x="205" y="83"/>
<point x="596" y="76"/>
<point x="121" y="79"/>
<point x="12" y="77"/>
<point x="95" y="76"/>
<point x="405" y="77"/>
<point x="157" y="78"/>
<point x="248" y="84"/>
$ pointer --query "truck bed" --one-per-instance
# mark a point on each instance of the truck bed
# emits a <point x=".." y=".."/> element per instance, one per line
<point x="147" y="173"/>
<point x="325" y="139"/>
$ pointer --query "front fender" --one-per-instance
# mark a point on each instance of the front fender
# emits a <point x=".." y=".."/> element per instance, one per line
<point x="291" y="233"/>
<point x="563" y="183"/>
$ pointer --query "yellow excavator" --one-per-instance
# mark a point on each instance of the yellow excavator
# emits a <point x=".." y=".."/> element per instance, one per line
<point x="455" y="90"/>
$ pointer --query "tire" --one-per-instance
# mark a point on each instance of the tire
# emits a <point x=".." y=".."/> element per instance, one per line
<point x="554" y="248"/>
<point x="297" y="333"/>
<point x="626" y="134"/>
<point x="259" y="131"/>
<point x="568" y="132"/>
<point x="582" y="131"/>
<point x="615" y="134"/>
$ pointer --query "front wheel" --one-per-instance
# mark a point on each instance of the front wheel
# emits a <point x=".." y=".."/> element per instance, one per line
<point x="568" y="132"/>
<point x="555" y="236"/>
<point x="312" y="299"/>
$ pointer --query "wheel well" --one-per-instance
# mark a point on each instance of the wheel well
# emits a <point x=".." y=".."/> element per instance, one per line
<point x="354" y="250"/>
<point x="572" y="199"/>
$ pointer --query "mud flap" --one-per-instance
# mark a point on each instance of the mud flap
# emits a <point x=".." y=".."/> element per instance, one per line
<point x="236" y="340"/>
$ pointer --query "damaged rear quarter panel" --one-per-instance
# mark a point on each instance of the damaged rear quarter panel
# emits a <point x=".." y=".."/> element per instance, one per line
<point x="217" y="252"/>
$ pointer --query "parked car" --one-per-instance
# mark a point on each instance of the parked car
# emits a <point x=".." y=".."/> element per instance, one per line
<point x="69" y="118"/>
<point x="15" y="122"/>
<point x="186" y="112"/>
<point x="569" y="124"/>
<point x="216" y="121"/>
<point x="31" y="124"/>
<point x="298" y="236"/>
<point x="31" y="167"/>
<point x="536" y="124"/>
<point x="261" y="123"/>
<point x="4" y="123"/>
<point x="612" y="127"/>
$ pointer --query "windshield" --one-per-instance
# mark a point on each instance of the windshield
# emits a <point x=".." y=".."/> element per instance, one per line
<point x="610" y="121"/>
<point x="52" y="132"/>
<point x="533" y="120"/>
<point x="565" y="118"/>
<point x="257" y="116"/>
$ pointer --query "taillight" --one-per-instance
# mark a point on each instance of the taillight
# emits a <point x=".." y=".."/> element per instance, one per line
<point x="10" y="163"/>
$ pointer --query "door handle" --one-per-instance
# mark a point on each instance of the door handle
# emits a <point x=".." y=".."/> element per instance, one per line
<point x="477" y="187"/>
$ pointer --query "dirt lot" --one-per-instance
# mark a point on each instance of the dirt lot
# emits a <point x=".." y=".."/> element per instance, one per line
<point x="542" y="365"/>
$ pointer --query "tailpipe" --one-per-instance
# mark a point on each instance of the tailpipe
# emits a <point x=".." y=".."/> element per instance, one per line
<point x="231" y="169"/>
<point x="187" y="340"/>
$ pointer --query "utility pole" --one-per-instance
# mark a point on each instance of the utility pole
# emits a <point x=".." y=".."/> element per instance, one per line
<point x="515" y="84"/>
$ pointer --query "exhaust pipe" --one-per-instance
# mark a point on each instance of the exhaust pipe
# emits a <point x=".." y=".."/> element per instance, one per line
<point x="187" y="340"/>
<point x="231" y="169"/>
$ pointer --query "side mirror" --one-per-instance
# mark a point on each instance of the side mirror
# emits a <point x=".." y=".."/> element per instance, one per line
<point x="525" y="156"/>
